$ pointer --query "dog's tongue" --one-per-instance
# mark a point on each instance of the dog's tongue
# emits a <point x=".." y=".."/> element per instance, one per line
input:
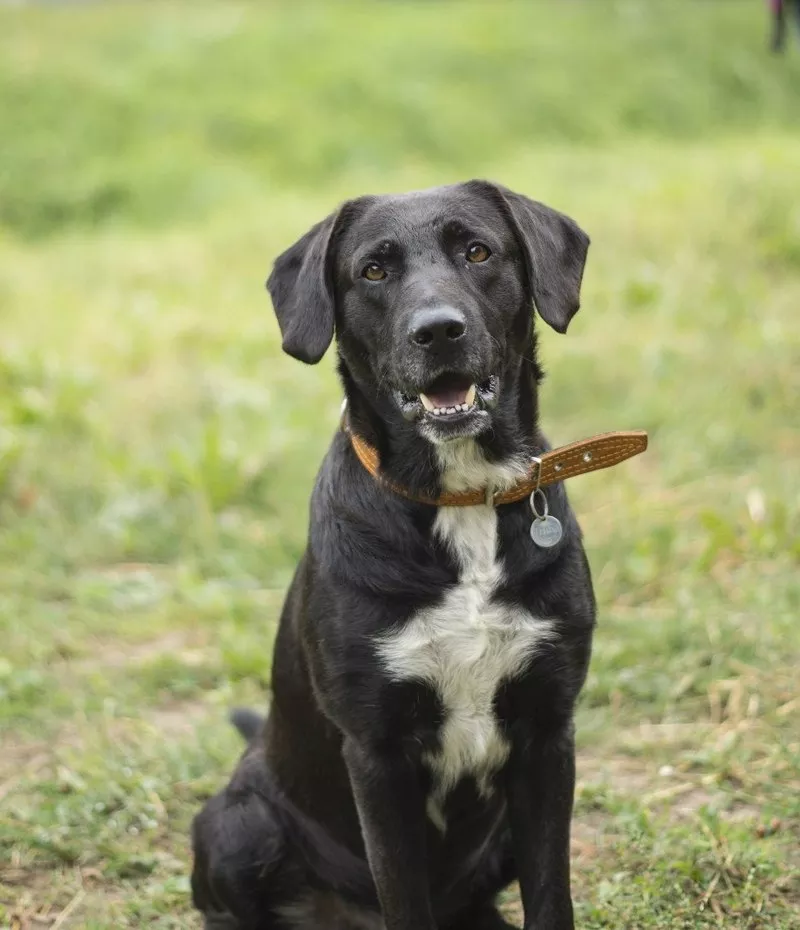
<point x="448" y="397"/>
<point x="448" y="391"/>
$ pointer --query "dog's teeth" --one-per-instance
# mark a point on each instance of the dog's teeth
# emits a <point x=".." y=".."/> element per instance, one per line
<point x="471" y="395"/>
<point x="445" y="411"/>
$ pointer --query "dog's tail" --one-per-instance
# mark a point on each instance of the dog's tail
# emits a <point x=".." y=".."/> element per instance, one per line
<point x="247" y="722"/>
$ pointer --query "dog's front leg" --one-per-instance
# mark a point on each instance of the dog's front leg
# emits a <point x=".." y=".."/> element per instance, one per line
<point x="540" y="783"/>
<point x="391" y="806"/>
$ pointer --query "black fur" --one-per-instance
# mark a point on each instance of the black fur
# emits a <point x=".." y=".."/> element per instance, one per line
<point x="247" y="722"/>
<point x="323" y="824"/>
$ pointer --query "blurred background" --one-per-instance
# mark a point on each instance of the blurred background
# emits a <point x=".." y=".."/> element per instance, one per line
<point x="157" y="450"/>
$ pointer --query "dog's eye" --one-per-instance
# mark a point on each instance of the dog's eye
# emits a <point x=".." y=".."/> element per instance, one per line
<point x="478" y="252"/>
<point x="373" y="272"/>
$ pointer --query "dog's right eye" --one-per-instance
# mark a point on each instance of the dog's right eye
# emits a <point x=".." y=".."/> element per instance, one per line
<point x="478" y="252"/>
<point x="373" y="272"/>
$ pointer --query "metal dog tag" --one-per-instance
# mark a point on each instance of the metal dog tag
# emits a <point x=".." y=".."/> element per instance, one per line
<point x="546" y="530"/>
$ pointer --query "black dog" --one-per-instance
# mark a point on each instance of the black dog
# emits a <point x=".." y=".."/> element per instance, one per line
<point x="418" y="755"/>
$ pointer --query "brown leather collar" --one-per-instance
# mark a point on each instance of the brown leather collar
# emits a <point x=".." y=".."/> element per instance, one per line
<point x="577" y="458"/>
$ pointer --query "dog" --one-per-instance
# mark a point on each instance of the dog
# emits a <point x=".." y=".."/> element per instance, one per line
<point x="418" y="754"/>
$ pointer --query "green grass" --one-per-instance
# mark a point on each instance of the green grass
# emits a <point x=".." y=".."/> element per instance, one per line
<point x="156" y="450"/>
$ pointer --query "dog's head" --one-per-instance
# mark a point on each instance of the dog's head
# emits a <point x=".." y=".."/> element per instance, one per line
<point x="430" y="295"/>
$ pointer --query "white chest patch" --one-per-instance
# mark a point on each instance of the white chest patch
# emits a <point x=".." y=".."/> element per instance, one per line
<point x="465" y="647"/>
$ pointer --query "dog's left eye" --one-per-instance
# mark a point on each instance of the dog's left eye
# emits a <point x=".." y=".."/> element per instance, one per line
<point x="373" y="272"/>
<point x="478" y="252"/>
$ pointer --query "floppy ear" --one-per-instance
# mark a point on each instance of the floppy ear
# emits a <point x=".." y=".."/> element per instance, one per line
<point x="301" y="289"/>
<point x="555" y="250"/>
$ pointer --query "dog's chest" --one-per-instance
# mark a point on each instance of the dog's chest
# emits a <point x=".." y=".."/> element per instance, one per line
<point x="465" y="647"/>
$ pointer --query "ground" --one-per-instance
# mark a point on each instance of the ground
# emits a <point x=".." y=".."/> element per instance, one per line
<point x="156" y="450"/>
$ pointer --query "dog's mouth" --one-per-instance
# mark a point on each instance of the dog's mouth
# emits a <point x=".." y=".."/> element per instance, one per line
<point x="451" y="398"/>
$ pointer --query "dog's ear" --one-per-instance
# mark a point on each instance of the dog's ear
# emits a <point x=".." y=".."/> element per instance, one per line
<point x="555" y="250"/>
<point x="301" y="288"/>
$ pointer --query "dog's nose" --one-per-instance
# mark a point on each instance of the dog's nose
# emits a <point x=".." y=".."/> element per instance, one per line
<point x="437" y="327"/>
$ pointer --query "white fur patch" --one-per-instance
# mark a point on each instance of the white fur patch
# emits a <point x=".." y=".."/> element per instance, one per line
<point x="464" y="467"/>
<point x="468" y="644"/>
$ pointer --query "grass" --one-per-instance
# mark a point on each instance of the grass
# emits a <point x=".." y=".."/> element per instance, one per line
<point x="156" y="450"/>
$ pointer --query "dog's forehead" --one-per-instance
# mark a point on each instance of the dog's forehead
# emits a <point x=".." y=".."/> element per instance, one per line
<point x="422" y="213"/>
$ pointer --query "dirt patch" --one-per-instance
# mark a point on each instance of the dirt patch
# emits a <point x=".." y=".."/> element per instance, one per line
<point x="177" y="719"/>
<point x="621" y="773"/>
<point x="669" y="788"/>
<point x="117" y="655"/>
<point x="20" y="760"/>
<point x="53" y="899"/>
<point x="589" y="834"/>
<point x="24" y="760"/>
